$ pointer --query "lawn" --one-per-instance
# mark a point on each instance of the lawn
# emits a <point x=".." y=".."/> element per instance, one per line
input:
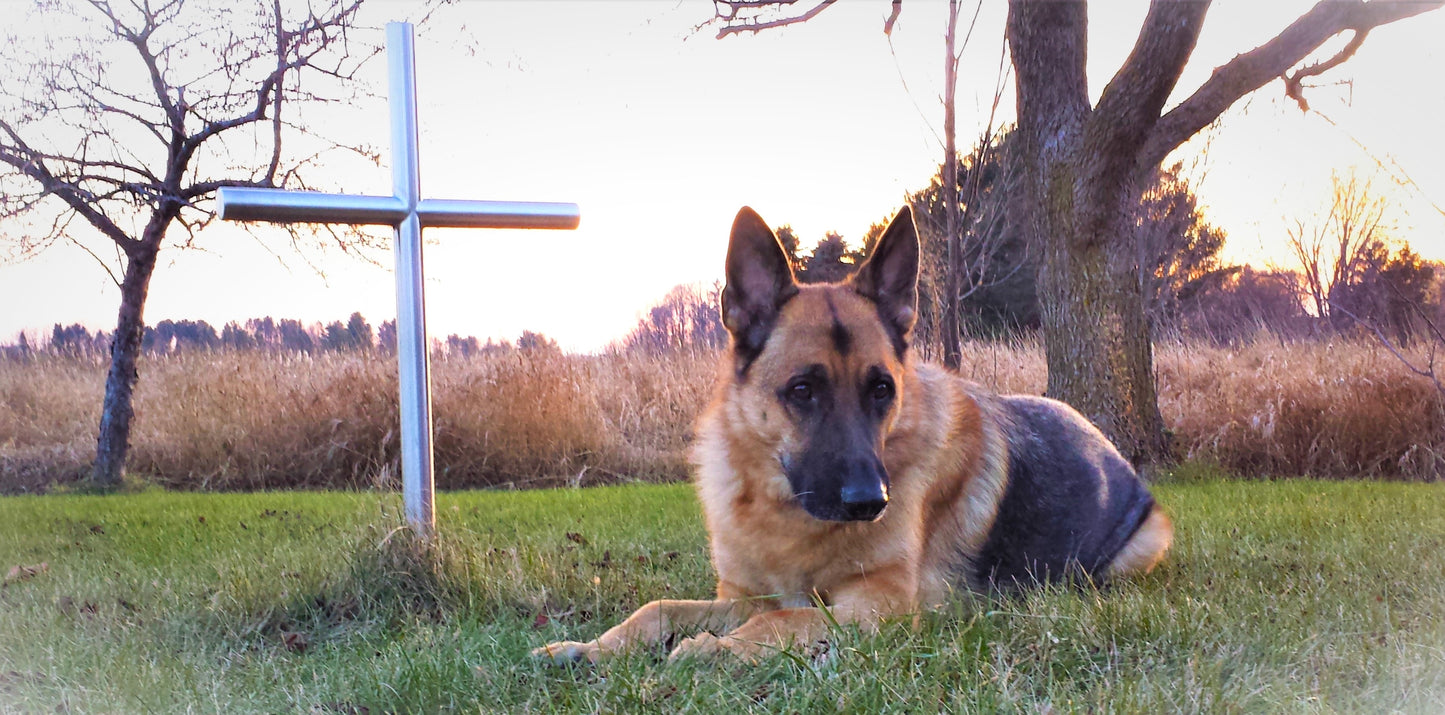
<point x="1295" y="596"/>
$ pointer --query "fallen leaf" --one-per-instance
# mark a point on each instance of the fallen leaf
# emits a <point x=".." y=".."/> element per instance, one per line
<point x="762" y="692"/>
<point x="21" y="573"/>
<point x="576" y="537"/>
<point x="540" y="621"/>
<point x="659" y="693"/>
<point x="295" y="642"/>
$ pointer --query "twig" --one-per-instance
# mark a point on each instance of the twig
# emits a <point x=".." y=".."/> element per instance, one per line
<point x="1292" y="80"/>
<point x="1427" y="372"/>
<point x="755" y="26"/>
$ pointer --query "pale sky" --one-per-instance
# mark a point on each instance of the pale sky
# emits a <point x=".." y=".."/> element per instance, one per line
<point x="660" y="133"/>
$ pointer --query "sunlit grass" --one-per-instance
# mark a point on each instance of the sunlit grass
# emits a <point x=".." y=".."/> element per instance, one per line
<point x="1278" y="597"/>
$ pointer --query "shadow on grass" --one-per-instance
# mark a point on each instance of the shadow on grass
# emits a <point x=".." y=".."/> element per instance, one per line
<point x="393" y="580"/>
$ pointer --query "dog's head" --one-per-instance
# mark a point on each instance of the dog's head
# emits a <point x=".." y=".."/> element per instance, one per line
<point x="818" y="370"/>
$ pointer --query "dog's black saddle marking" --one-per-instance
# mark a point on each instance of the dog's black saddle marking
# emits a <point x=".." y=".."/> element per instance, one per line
<point x="1071" y="503"/>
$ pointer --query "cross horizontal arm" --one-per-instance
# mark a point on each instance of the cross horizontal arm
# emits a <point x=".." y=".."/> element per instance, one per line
<point x="452" y="213"/>
<point x="280" y="206"/>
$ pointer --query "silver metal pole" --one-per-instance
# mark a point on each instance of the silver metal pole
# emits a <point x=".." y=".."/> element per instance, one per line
<point x="415" y="382"/>
<point x="409" y="214"/>
<point x="281" y="206"/>
<point x="449" y="213"/>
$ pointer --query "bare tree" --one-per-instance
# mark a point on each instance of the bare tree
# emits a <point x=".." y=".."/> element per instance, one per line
<point x="975" y="219"/>
<point x="1335" y="250"/>
<point x="126" y="116"/>
<point x="981" y="255"/>
<point x="684" y="319"/>
<point x="952" y="352"/>
<point x="1087" y="165"/>
<point x="1350" y="276"/>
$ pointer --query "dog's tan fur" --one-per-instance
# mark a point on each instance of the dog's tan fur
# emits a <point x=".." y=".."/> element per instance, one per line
<point x="946" y="457"/>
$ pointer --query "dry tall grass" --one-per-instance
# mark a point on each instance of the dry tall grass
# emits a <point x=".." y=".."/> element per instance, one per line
<point x="1336" y="409"/>
<point x="253" y="420"/>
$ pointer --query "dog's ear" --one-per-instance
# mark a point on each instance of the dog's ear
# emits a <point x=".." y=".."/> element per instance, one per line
<point x="889" y="278"/>
<point x="759" y="281"/>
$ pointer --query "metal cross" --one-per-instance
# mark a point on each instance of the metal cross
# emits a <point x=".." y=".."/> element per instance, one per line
<point x="408" y="214"/>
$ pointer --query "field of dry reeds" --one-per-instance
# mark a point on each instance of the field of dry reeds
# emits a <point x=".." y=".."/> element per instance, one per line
<point x="252" y="420"/>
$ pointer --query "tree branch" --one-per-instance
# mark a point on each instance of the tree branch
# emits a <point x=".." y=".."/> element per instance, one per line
<point x="201" y="189"/>
<point x="1427" y="372"/>
<point x="1292" y="81"/>
<point x="1131" y="102"/>
<point x="892" y="17"/>
<point x="23" y="159"/>
<point x="175" y="116"/>
<point x="103" y="265"/>
<point x="1252" y="70"/>
<point x="270" y="91"/>
<point x="276" y="100"/>
<point x="733" y="25"/>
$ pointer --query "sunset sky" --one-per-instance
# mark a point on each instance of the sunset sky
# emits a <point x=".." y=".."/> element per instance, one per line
<point x="661" y="132"/>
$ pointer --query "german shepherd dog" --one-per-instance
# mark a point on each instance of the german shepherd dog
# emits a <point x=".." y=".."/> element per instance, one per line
<point x="845" y="482"/>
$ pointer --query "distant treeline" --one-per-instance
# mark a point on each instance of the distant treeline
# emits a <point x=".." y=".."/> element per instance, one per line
<point x="1394" y="292"/>
<point x="1401" y="296"/>
<point x="1345" y="273"/>
<point x="267" y="334"/>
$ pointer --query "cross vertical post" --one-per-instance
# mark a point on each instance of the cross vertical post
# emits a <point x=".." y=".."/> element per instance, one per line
<point x="413" y="359"/>
<point x="407" y="213"/>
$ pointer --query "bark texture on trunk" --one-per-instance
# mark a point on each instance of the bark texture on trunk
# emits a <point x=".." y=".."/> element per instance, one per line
<point x="113" y="440"/>
<point x="1079" y="187"/>
<point x="1096" y="338"/>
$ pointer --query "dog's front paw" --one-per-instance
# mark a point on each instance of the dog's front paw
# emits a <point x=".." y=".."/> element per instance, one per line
<point x="707" y="645"/>
<point x="702" y="645"/>
<point x="565" y="652"/>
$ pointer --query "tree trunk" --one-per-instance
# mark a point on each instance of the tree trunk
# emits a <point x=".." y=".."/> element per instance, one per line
<point x="1079" y="187"/>
<point x="953" y="242"/>
<point x="113" y="443"/>
<point x="1096" y="333"/>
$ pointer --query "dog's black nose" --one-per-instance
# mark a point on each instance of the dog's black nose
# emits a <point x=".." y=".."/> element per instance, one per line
<point x="864" y="502"/>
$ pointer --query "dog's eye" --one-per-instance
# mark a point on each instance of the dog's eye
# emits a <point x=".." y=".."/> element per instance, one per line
<point x="801" y="392"/>
<point x="882" y="391"/>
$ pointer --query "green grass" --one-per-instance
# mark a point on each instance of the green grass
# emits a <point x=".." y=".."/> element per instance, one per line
<point x="1279" y="597"/>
